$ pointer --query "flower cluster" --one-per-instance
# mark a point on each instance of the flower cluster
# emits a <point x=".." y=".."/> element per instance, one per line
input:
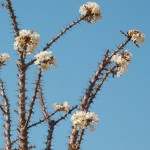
<point x="91" y="11"/>
<point x="122" y="61"/>
<point x="64" y="107"/>
<point x="4" y="57"/>
<point x="136" y="36"/>
<point x="44" y="59"/>
<point x="27" y="41"/>
<point x="82" y="119"/>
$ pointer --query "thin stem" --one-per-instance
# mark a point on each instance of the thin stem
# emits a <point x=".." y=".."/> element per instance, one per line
<point x="13" y="18"/>
<point x="33" y="99"/>
<point x="50" y="135"/>
<point x="50" y="124"/>
<point x="2" y="109"/>
<point x="94" y="80"/>
<point x="67" y="113"/>
<point x="80" y="139"/>
<point x="98" y="87"/>
<point x="14" y="141"/>
<point x="7" y="117"/>
<point x="57" y="37"/>
<point x="44" y="111"/>
<point x="62" y="33"/>
<point x="43" y="120"/>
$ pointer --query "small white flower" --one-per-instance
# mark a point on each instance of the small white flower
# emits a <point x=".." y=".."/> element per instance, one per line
<point x="122" y="61"/>
<point x="27" y="41"/>
<point x="136" y="36"/>
<point x="91" y="11"/>
<point x="82" y="119"/>
<point x="44" y="59"/>
<point x="4" y="57"/>
<point x="64" y="107"/>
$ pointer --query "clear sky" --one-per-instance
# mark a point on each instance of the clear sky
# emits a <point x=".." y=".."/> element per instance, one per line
<point x="123" y="104"/>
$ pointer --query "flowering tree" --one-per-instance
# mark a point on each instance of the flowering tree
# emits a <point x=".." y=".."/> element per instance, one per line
<point x="114" y="63"/>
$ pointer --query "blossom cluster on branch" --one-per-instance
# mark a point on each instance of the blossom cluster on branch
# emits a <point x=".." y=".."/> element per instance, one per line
<point x="26" y="42"/>
<point x="91" y="11"/>
<point x="64" y="107"/>
<point x="122" y="61"/>
<point x="82" y="119"/>
<point x="4" y="57"/>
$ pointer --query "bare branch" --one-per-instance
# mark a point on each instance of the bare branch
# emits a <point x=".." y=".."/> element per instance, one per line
<point x="80" y="139"/>
<point x="13" y="17"/>
<point x="7" y="117"/>
<point x="50" y="123"/>
<point x="33" y="99"/>
<point x="13" y="142"/>
<point x="43" y="120"/>
<point x="62" y="33"/>
<point x="98" y="87"/>
<point x="1" y="107"/>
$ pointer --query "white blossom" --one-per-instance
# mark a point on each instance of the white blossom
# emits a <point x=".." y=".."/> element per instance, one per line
<point x="136" y="36"/>
<point x="64" y="107"/>
<point x="4" y="57"/>
<point x="122" y="61"/>
<point x="82" y="119"/>
<point x="44" y="59"/>
<point x="27" y="41"/>
<point x="91" y="11"/>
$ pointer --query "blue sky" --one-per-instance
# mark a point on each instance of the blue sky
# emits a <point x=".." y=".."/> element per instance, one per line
<point x="123" y="104"/>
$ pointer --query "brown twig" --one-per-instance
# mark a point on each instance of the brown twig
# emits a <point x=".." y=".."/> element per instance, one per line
<point x="98" y="87"/>
<point x="80" y="139"/>
<point x="7" y="117"/>
<point x="50" y="135"/>
<point x="33" y="99"/>
<point x="62" y="33"/>
<point x="14" y="141"/>
<point x="94" y="80"/>
<point x="1" y="107"/>
<point x="42" y="120"/>
<point x="50" y="123"/>
<point x="57" y="37"/>
<point x="13" y="18"/>
<point x="102" y="67"/>
<point x="67" y="113"/>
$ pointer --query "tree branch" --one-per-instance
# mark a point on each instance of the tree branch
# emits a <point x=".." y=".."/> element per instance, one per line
<point x="33" y="99"/>
<point x="62" y="33"/>
<point x="43" y="120"/>
<point x="7" y="117"/>
<point x="13" y="17"/>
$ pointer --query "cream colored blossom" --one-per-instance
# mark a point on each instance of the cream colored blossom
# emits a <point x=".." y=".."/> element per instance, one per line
<point x="64" y="107"/>
<point x="136" y="36"/>
<point x="44" y="59"/>
<point x="4" y="57"/>
<point x="122" y="61"/>
<point x="27" y="41"/>
<point x="82" y="119"/>
<point x="91" y="11"/>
